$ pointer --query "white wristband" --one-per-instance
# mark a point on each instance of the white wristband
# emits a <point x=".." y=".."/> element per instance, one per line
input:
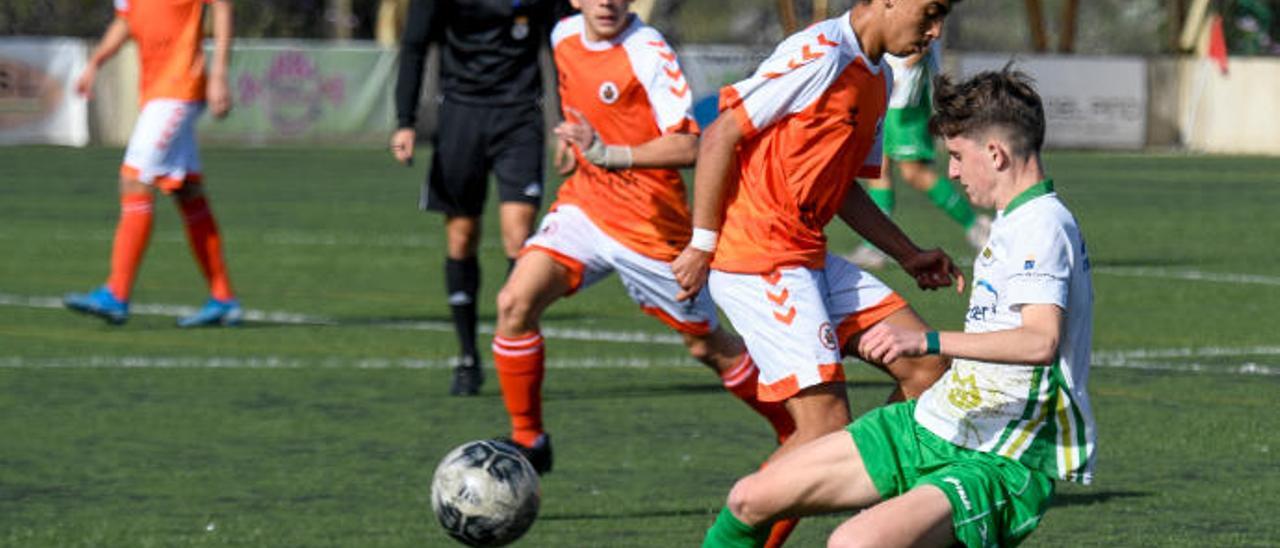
<point x="704" y="239"/>
<point x="607" y="156"/>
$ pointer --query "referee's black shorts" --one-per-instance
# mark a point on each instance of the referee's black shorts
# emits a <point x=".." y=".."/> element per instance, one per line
<point x="473" y="140"/>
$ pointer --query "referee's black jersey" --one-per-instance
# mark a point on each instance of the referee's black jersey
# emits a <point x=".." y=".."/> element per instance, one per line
<point x="488" y="55"/>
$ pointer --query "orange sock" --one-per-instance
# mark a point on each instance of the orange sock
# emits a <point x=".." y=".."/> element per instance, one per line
<point x="521" y="367"/>
<point x="133" y="231"/>
<point x="202" y="236"/>
<point x="780" y="531"/>
<point x="741" y="380"/>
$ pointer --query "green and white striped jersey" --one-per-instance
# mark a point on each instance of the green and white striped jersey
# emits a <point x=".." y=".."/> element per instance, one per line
<point x="1037" y="415"/>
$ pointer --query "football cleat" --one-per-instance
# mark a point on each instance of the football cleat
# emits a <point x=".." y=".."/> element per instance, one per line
<point x="467" y="378"/>
<point x="101" y="303"/>
<point x="539" y="455"/>
<point x="215" y="312"/>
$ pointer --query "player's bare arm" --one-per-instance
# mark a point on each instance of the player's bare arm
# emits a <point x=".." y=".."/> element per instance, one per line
<point x="931" y="268"/>
<point x="218" y="92"/>
<point x="113" y="39"/>
<point x="672" y="150"/>
<point x="711" y="183"/>
<point x="1035" y="342"/>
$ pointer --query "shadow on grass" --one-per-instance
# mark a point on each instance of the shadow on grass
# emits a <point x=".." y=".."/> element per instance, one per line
<point x="1085" y="499"/>
<point x="442" y="321"/>
<point x="712" y="386"/>
<point x="627" y="515"/>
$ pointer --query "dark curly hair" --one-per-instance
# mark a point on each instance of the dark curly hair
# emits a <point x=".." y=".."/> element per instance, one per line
<point x="1003" y="100"/>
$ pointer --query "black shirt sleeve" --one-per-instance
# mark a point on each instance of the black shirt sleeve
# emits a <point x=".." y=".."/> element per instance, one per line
<point x="420" y="30"/>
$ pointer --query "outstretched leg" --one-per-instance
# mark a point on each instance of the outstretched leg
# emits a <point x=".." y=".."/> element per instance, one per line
<point x="823" y="476"/>
<point x="518" y="352"/>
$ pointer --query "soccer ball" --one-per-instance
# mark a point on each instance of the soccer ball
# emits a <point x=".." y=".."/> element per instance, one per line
<point x="485" y="493"/>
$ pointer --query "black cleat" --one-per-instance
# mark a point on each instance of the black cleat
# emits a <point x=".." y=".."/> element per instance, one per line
<point x="467" y="378"/>
<point x="539" y="455"/>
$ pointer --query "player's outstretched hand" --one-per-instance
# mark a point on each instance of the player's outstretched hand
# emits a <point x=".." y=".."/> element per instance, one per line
<point x="402" y="145"/>
<point x="932" y="269"/>
<point x="219" y="97"/>
<point x="566" y="162"/>
<point x="690" y="269"/>
<point x="884" y="343"/>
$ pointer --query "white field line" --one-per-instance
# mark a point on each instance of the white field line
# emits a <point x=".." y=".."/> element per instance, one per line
<point x="631" y="362"/>
<point x="418" y="241"/>
<point x="293" y="318"/>
<point x="281" y="362"/>
<point x="1190" y="275"/>
<point x="1182" y="359"/>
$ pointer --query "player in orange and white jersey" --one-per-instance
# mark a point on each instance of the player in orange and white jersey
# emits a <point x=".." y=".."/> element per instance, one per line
<point x="777" y="165"/>
<point x="175" y="90"/>
<point x="628" y="128"/>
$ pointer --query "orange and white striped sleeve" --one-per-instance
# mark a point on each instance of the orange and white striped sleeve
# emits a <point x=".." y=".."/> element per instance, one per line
<point x="658" y="70"/>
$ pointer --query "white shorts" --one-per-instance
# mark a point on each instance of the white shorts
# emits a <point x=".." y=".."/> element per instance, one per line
<point x="162" y="150"/>
<point x="795" y="321"/>
<point x="569" y="237"/>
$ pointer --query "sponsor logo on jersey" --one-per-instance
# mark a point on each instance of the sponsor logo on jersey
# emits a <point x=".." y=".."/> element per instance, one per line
<point x="608" y="92"/>
<point x="1029" y="263"/>
<point x="964" y="392"/>
<point x="827" y="335"/>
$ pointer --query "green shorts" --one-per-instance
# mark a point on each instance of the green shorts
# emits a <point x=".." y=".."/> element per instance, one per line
<point x="906" y="134"/>
<point x="994" y="500"/>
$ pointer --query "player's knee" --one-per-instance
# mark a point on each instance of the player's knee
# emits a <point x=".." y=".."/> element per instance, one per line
<point x="745" y="503"/>
<point x="514" y="310"/>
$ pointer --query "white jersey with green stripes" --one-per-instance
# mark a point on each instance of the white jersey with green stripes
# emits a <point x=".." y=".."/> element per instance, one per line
<point x="911" y="83"/>
<point x="1037" y="415"/>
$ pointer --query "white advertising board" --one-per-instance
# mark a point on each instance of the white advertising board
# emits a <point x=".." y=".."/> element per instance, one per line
<point x="1089" y="102"/>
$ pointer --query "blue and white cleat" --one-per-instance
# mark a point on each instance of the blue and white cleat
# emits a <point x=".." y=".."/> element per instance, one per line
<point x="101" y="303"/>
<point x="215" y="312"/>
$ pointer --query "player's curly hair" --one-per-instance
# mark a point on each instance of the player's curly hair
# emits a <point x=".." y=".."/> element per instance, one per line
<point x="1002" y="100"/>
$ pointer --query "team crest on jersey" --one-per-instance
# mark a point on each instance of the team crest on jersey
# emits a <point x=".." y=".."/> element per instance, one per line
<point x="827" y="335"/>
<point x="520" y="28"/>
<point x="987" y="257"/>
<point x="609" y="92"/>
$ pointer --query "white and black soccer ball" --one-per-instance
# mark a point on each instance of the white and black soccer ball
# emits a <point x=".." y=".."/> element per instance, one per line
<point x="485" y="493"/>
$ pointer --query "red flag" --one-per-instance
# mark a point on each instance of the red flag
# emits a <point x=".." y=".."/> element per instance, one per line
<point x="1217" y="44"/>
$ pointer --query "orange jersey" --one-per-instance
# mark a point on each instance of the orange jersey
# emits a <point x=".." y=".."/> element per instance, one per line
<point x="811" y="117"/>
<point x="168" y="34"/>
<point x="631" y="90"/>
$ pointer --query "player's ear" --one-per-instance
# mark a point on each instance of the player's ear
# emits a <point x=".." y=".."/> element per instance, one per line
<point x="997" y="153"/>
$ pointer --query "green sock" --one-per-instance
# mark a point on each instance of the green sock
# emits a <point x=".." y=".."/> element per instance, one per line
<point x="883" y="197"/>
<point x="944" y="195"/>
<point x="729" y="532"/>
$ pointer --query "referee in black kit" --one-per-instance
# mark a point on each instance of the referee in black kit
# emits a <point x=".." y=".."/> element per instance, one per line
<point x="489" y="119"/>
